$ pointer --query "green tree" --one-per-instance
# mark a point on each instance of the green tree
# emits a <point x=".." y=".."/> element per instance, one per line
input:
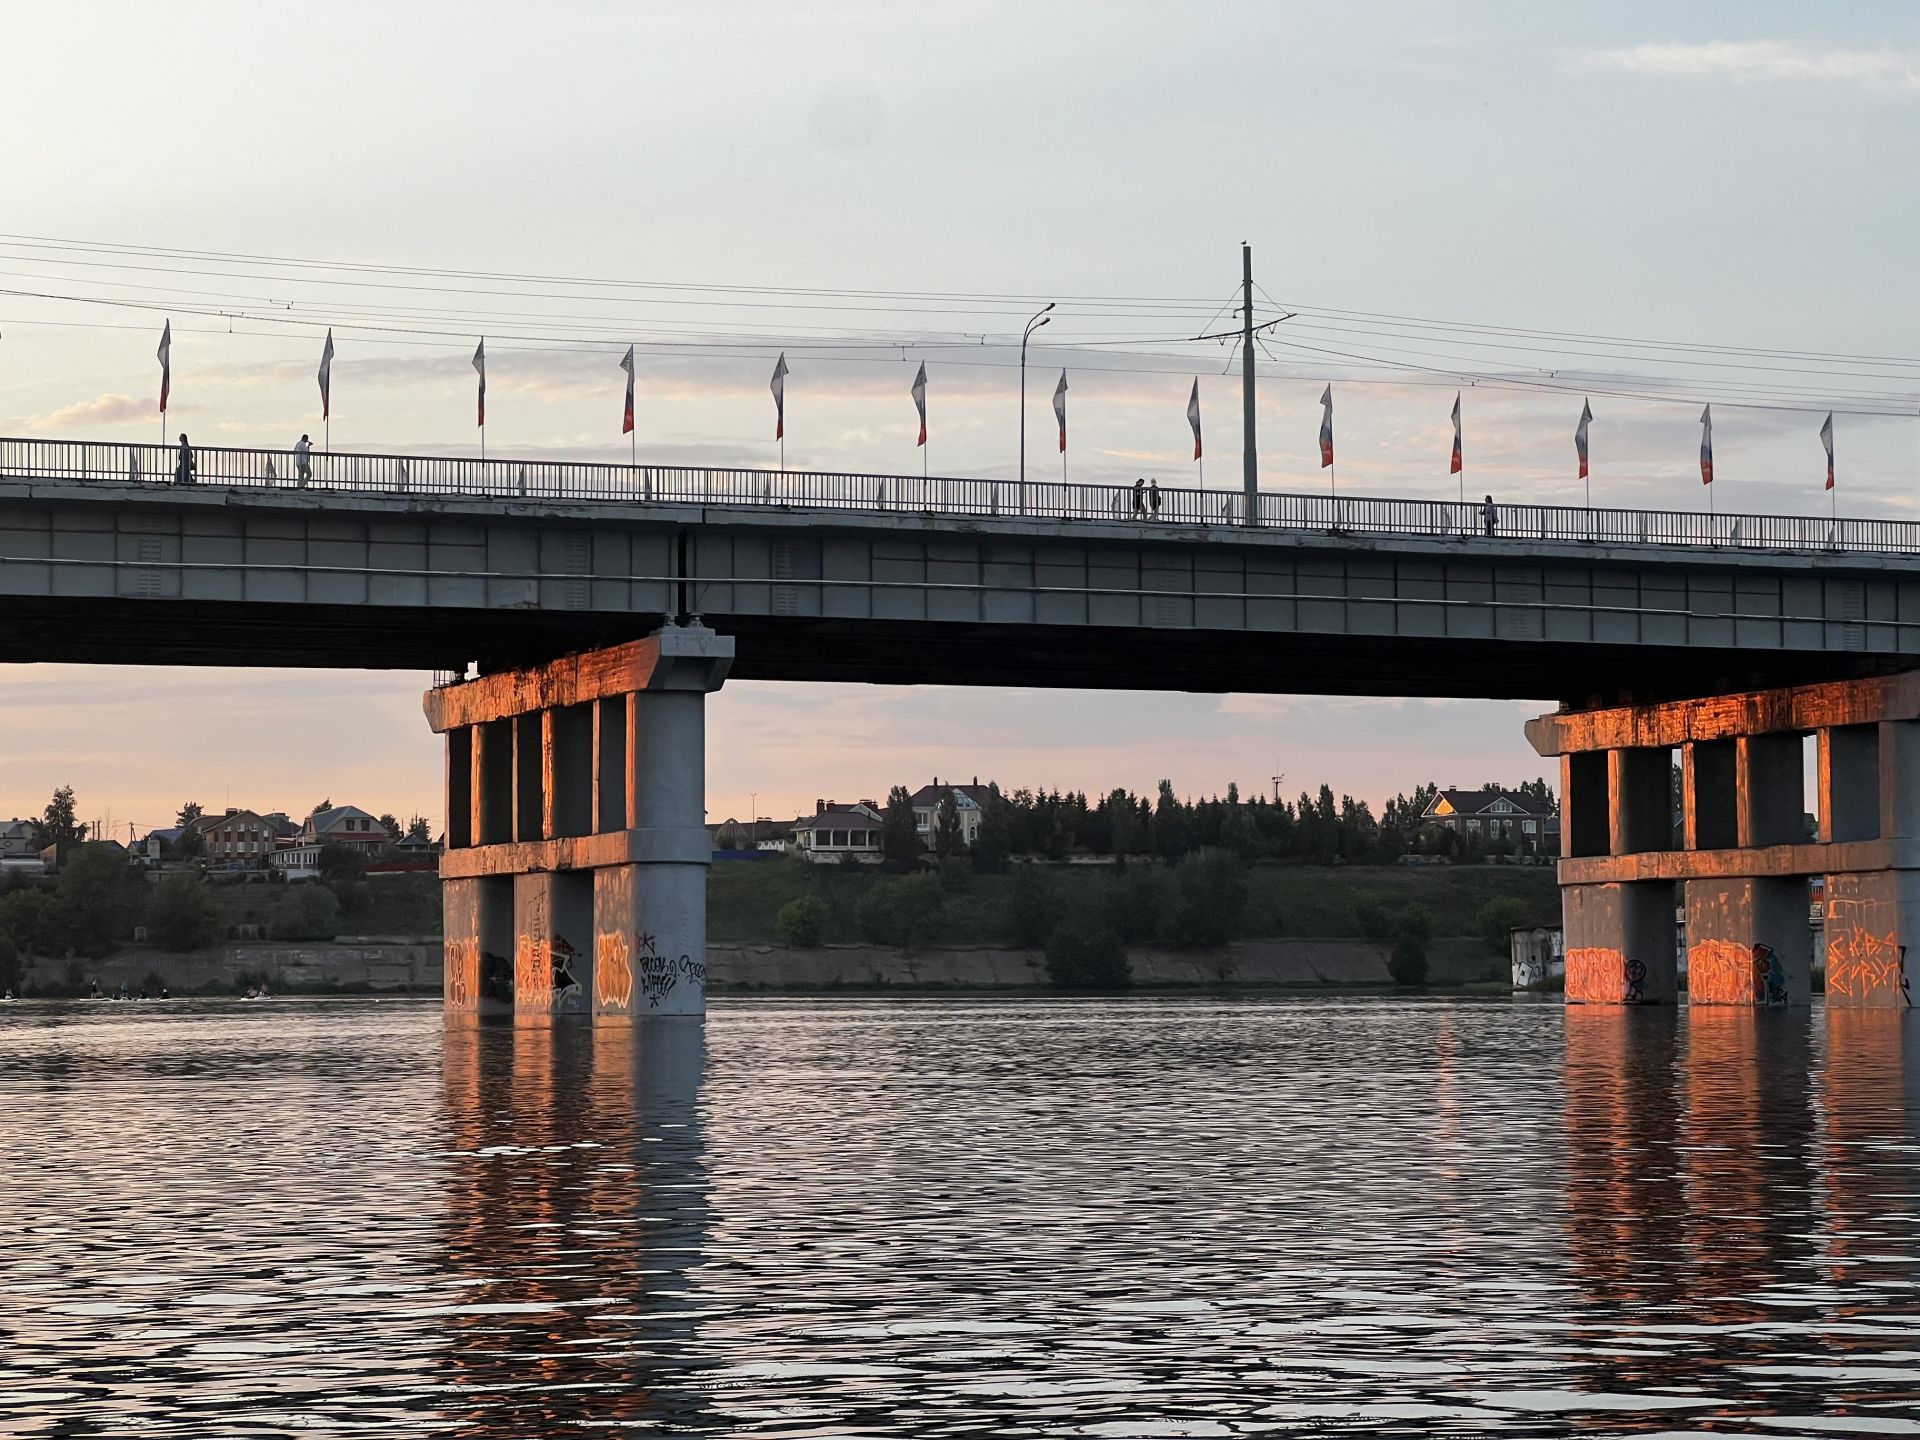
<point x="1498" y="916"/>
<point x="899" y="841"/>
<point x="1032" y="910"/>
<point x="179" y="915"/>
<point x="188" y="813"/>
<point x="902" y="910"/>
<point x="392" y="826"/>
<point x="1123" y="822"/>
<point x="1140" y="899"/>
<point x="307" y="912"/>
<point x="95" y="903"/>
<point x="802" y="924"/>
<point x="25" y="921"/>
<point x="339" y="864"/>
<point x="1210" y="889"/>
<point x="13" y="973"/>
<point x="1084" y="953"/>
<point x="1408" y="963"/>
<point x="993" y="841"/>
<point x="956" y="874"/>
<point x="949" y="837"/>
<point x="56" y="825"/>
<point x="419" y="830"/>
<point x="1170" y="837"/>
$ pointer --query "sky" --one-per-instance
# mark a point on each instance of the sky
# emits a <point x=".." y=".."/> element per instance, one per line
<point x="1646" y="205"/>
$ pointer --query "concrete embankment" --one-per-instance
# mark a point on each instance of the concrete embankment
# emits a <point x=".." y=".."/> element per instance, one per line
<point x="414" y="965"/>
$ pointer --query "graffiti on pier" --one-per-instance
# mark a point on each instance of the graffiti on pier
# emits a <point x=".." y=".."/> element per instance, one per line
<point x="567" y="990"/>
<point x="463" y="974"/>
<point x="1596" y="973"/>
<point x="1720" y="972"/>
<point x="1636" y="981"/>
<point x="1726" y="972"/>
<point x="1862" y="965"/>
<point x="612" y="972"/>
<point x="532" y="971"/>
<point x="661" y="974"/>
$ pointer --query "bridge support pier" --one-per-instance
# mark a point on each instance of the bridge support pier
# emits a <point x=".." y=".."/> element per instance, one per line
<point x="575" y="874"/>
<point x="1738" y="846"/>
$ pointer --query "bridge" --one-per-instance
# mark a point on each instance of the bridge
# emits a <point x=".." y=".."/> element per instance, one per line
<point x="596" y="604"/>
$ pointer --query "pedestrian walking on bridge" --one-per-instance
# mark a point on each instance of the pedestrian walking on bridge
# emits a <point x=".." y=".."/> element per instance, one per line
<point x="1153" y="497"/>
<point x="1489" y="517"/>
<point x="303" y="461"/>
<point x="1140" y="497"/>
<point x="183" y="465"/>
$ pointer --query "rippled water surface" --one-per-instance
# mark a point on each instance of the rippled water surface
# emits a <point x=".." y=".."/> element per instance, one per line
<point x="891" y="1218"/>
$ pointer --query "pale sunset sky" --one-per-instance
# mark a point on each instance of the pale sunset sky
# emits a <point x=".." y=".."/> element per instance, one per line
<point x="1655" y="205"/>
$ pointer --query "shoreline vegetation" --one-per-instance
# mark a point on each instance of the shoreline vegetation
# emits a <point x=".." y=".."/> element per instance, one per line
<point x="787" y="926"/>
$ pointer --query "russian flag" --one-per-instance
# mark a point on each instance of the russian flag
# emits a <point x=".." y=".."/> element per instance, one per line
<point x="1458" y="464"/>
<point x="920" y="401"/>
<point x="1580" y="436"/>
<point x="1826" y="439"/>
<point x="1060" y="409"/>
<point x="1193" y="416"/>
<point x="1326" y="428"/>
<point x="166" y="363"/>
<point x="626" y="364"/>
<point x="1706" y="446"/>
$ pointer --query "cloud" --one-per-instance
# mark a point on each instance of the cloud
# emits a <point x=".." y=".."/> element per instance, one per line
<point x="101" y="410"/>
<point x="1760" y="60"/>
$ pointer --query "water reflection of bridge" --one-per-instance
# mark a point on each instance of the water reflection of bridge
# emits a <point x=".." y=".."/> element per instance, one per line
<point x="578" y="1172"/>
<point x="1714" y="1185"/>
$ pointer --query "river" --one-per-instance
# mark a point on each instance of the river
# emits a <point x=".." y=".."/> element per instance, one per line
<point x="1142" y="1217"/>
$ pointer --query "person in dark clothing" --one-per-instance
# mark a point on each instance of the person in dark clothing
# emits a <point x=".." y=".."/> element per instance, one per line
<point x="183" y="465"/>
<point x="1489" y="517"/>
<point x="1153" y="497"/>
<point x="1140" y="497"/>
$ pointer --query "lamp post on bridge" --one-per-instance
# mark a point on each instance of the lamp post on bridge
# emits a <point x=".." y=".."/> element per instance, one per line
<point x="1039" y="319"/>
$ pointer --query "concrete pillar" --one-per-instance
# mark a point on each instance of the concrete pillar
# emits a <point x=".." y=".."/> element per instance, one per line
<point x="1849" y="782"/>
<point x="1870" y="919"/>
<point x="1772" y="790"/>
<point x="1620" y="943"/>
<point x="1900" y="779"/>
<point x="651" y="916"/>
<point x="479" y="951"/>
<point x="553" y="943"/>
<point x="1639" y="801"/>
<point x="1709" y="793"/>
<point x="1749" y="942"/>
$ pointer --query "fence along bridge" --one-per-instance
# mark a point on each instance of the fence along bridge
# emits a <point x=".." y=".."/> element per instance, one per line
<point x="573" y="481"/>
<point x="575" y="880"/>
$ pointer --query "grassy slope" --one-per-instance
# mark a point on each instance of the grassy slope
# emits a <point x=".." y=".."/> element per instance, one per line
<point x="1284" y="901"/>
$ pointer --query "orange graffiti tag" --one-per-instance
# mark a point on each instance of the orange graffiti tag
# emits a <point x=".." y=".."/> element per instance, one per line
<point x="1861" y="963"/>
<point x="532" y="971"/>
<point x="1721" y="972"/>
<point x="612" y="972"/>
<point x="463" y="974"/>
<point x="1596" y="974"/>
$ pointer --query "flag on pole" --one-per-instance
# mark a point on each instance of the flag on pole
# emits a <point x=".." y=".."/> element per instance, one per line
<point x="1706" y="446"/>
<point x="1193" y="416"/>
<point x="920" y="401"/>
<point x="1580" y="436"/>
<point x="326" y="376"/>
<point x="1458" y="464"/>
<point x="1060" y="409"/>
<point x="779" y="387"/>
<point x="1326" y="428"/>
<point x="626" y="364"/>
<point x="480" y="364"/>
<point x="166" y="363"/>
<point x="1826" y="439"/>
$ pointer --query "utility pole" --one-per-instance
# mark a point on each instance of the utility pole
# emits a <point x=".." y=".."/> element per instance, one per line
<point x="1249" y="458"/>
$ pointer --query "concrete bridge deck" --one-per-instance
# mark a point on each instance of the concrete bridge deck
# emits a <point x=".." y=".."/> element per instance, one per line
<point x="428" y="563"/>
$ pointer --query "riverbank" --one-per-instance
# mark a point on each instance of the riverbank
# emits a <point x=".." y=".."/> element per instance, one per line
<point x="397" y="966"/>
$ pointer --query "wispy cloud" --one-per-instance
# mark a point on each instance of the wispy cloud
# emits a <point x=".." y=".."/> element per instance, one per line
<point x="101" y="410"/>
<point x="1760" y="60"/>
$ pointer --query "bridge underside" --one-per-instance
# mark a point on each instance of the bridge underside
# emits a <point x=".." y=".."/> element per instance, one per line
<point x="101" y="630"/>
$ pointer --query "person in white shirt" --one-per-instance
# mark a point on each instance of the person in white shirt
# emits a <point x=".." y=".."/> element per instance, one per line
<point x="303" y="460"/>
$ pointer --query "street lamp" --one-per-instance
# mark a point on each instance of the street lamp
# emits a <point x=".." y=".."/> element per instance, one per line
<point x="1039" y="319"/>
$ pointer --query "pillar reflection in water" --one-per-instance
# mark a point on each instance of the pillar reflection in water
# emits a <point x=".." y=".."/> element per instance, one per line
<point x="577" y="1199"/>
<point x="1750" y="1173"/>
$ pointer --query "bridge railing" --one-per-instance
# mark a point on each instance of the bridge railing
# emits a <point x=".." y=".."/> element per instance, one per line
<point x="575" y="480"/>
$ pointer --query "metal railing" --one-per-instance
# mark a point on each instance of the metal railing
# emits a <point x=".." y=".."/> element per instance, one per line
<point x="571" y="480"/>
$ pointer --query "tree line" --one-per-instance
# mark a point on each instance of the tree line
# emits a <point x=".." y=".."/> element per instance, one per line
<point x="1314" y="830"/>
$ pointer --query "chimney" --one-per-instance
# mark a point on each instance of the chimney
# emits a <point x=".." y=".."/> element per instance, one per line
<point x="976" y="782"/>
<point x="819" y="807"/>
<point x="233" y="809"/>
<point x="936" y="782"/>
